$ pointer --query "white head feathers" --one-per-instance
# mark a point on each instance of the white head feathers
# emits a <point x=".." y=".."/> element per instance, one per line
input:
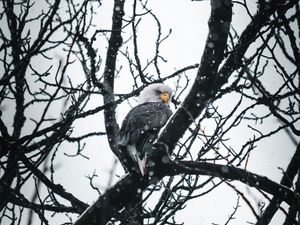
<point x="153" y="92"/>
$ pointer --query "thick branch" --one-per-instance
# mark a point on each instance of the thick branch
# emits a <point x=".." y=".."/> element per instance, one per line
<point x="205" y="85"/>
<point x="112" y="201"/>
<point x="249" y="35"/>
<point x="208" y="82"/>
<point x="114" y="44"/>
<point x="287" y="180"/>
<point x="232" y="173"/>
<point x="115" y="198"/>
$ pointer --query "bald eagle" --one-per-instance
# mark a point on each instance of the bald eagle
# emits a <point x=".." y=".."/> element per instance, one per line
<point x="142" y="124"/>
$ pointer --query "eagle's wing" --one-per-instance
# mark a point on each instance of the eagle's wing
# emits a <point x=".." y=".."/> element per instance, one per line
<point x="141" y="126"/>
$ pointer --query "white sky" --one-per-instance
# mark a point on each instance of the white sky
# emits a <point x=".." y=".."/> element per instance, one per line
<point x="188" y="21"/>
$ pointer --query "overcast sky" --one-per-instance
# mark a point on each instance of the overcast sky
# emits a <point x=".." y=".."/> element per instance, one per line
<point x="188" y="21"/>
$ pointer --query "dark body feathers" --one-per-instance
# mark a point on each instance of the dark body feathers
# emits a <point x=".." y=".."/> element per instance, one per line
<point x="141" y="127"/>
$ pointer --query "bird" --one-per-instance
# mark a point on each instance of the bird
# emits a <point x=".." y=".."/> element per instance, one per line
<point x="142" y="124"/>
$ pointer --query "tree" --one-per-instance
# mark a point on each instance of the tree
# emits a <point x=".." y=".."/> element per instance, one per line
<point x="57" y="61"/>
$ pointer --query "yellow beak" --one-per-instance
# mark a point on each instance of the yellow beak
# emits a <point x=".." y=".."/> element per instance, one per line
<point x="165" y="97"/>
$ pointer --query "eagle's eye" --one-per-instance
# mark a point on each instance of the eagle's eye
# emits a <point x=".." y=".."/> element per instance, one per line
<point x="158" y="92"/>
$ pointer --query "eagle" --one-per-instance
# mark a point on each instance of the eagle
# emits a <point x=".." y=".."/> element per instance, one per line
<point x="141" y="126"/>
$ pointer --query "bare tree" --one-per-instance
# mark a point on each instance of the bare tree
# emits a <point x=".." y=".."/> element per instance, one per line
<point x="42" y="101"/>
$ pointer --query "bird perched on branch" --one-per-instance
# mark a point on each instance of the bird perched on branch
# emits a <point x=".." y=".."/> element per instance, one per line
<point x="142" y="124"/>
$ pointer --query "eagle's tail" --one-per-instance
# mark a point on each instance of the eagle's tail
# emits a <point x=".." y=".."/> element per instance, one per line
<point x="135" y="156"/>
<point x="142" y="164"/>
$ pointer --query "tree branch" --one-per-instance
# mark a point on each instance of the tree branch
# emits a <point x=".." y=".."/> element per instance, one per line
<point x="114" y="44"/>
<point x="215" y="45"/>
<point x="78" y="205"/>
<point x="232" y="173"/>
<point x="287" y="180"/>
<point x="208" y="82"/>
<point x="204" y="87"/>
<point x="116" y="197"/>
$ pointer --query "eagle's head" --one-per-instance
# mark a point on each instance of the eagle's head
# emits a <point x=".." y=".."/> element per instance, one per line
<point x="156" y="93"/>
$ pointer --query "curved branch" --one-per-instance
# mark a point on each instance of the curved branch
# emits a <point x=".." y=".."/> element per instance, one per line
<point x="114" y="44"/>
<point x="232" y="173"/>
<point x="204" y="87"/>
<point x="78" y="206"/>
<point x="116" y="197"/>
<point x="208" y="82"/>
<point x="286" y="180"/>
